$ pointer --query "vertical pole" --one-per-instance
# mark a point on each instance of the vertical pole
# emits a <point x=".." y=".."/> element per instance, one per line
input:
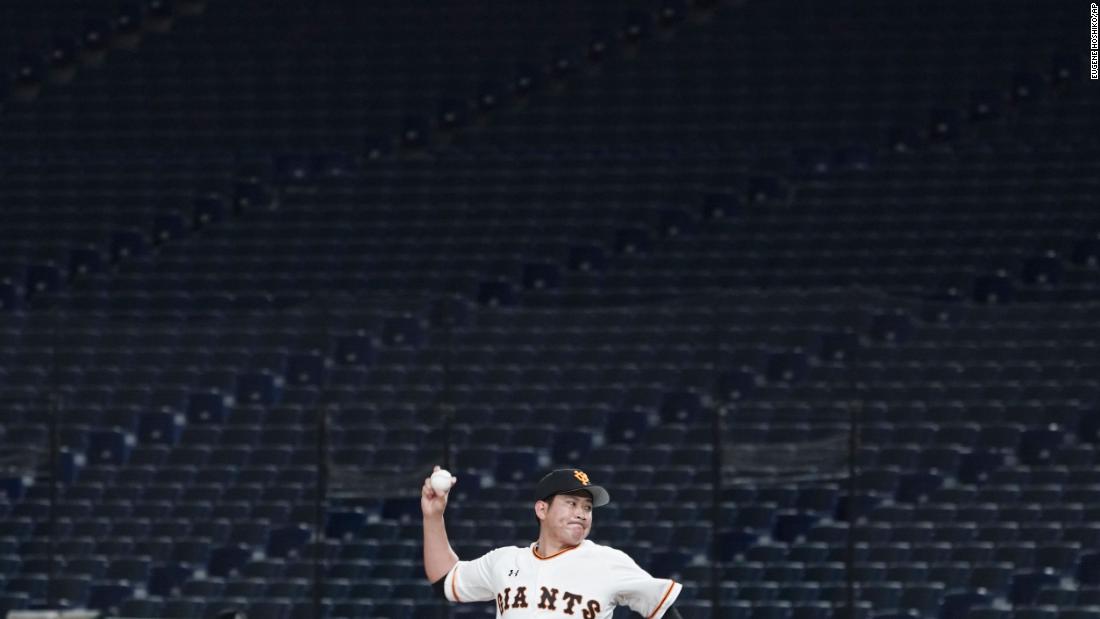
<point x="54" y="460"/>
<point x="319" y="513"/>
<point x="54" y="469"/>
<point x="850" y="555"/>
<point x="716" y="511"/>
<point x="716" y="523"/>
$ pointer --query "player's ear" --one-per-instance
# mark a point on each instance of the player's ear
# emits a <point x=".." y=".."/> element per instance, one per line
<point x="540" y="509"/>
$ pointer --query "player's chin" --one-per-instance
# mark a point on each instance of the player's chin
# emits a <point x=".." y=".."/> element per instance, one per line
<point x="575" y="535"/>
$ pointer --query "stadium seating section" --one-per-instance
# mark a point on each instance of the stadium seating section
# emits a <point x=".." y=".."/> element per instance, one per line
<point x="263" y="263"/>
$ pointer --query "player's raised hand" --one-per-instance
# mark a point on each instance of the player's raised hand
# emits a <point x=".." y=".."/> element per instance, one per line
<point x="433" y="500"/>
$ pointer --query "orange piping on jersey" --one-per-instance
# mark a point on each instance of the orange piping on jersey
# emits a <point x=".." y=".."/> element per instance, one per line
<point x="654" y="613"/>
<point x="556" y="554"/>
<point x="454" y="584"/>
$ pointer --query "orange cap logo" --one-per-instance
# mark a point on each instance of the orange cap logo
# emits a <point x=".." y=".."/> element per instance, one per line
<point x="581" y="477"/>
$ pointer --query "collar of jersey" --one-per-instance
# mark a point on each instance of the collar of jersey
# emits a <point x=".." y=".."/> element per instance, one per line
<point x="556" y="554"/>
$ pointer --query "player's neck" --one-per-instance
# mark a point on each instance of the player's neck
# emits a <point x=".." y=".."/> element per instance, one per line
<point x="546" y="546"/>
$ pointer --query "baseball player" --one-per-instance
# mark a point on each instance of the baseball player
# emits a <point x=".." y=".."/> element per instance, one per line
<point x="562" y="575"/>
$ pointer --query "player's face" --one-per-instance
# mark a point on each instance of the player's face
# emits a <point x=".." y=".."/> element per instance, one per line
<point x="568" y="518"/>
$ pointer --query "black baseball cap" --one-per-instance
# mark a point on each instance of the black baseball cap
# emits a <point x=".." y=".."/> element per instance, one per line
<point x="563" y="481"/>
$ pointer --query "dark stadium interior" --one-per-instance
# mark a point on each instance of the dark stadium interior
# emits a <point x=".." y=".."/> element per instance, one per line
<point x="812" y="287"/>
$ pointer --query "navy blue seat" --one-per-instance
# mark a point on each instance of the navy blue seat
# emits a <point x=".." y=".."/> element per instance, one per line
<point x="1025" y="586"/>
<point x="352" y="609"/>
<point x="108" y="447"/>
<point x="206" y="407"/>
<point x="681" y="407"/>
<point x="1088" y="595"/>
<point x="1056" y="596"/>
<point x="129" y="569"/>
<point x="165" y="577"/>
<point x="914" y="487"/>
<point x="403" y="331"/>
<point x="287" y="539"/>
<point x="307" y="610"/>
<point x="626" y="426"/>
<point x="1086" y="251"/>
<point x="305" y="369"/>
<point x="802" y="610"/>
<point x="43" y="279"/>
<point x="957" y="604"/>
<point x="769" y="610"/>
<point x="800" y="593"/>
<point x="11" y="296"/>
<point x="276" y="609"/>
<point x="262" y="569"/>
<point x="226" y="560"/>
<point x="208" y="588"/>
<point x="87" y="566"/>
<point x="158" y="427"/>
<point x="245" y="587"/>
<point x="396" y="609"/>
<point x="134" y="607"/>
<point x="1038" y="445"/>
<point x="107" y="597"/>
<point x="353" y="349"/>
<point x="572" y="446"/>
<point x="792" y="525"/>
<point x="737" y="384"/>
<point x="924" y="598"/>
<point x="977" y="465"/>
<point x="1088" y="569"/>
<point x="786" y="366"/>
<point x="258" y="388"/>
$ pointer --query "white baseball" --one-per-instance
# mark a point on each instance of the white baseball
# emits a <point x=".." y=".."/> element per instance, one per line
<point x="441" y="481"/>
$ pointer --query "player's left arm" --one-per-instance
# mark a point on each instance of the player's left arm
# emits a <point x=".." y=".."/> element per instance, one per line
<point x="648" y="596"/>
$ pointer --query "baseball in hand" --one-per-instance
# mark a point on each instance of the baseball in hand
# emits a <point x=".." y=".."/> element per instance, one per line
<point x="441" y="481"/>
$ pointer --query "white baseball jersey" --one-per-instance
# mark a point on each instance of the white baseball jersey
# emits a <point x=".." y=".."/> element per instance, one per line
<point x="584" y="582"/>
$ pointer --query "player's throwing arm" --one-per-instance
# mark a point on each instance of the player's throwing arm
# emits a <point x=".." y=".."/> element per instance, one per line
<point x="439" y="558"/>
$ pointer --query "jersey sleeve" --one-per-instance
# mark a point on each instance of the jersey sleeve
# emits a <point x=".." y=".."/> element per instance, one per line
<point x="648" y="596"/>
<point x="471" y="581"/>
